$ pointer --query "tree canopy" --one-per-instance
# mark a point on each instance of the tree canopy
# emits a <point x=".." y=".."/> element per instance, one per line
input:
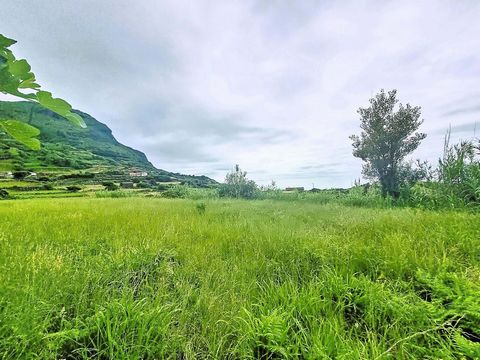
<point x="389" y="134"/>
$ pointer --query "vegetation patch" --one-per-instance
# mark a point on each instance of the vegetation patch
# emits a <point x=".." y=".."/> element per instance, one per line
<point x="159" y="278"/>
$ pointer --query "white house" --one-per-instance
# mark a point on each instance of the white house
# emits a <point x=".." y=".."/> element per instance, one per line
<point x="138" y="174"/>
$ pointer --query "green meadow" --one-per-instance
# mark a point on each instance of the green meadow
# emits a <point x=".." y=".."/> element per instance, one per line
<point x="153" y="278"/>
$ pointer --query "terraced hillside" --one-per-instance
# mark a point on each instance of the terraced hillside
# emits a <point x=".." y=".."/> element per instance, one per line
<point x="69" y="148"/>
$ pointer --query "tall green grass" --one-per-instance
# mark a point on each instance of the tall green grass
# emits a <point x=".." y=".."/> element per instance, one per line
<point x="142" y="278"/>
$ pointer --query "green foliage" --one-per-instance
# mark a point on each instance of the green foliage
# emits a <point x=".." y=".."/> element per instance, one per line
<point x="47" y="186"/>
<point x="144" y="278"/>
<point x="73" y="188"/>
<point x="4" y="194"/>
<point x="22" y="132"/>
<point x="454" y="184"/>
<point x="459" y="171"/>
<point x="114" y="194"/>
<point x="201" y="207"/>
<point x="68" y="147"/>
<point x="20" y="174"/>
<point x="388" y="135"/>
<point x="60" y="107"/>
<point x="176" y="191"/>
<point x="237" y="185"/>
<point x="17" y="79"/>
<point x="163" y="187"/>
<point x="110" y="185"/>
<point x="143" y="185"/>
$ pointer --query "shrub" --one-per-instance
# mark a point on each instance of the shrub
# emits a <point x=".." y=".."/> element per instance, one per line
<point x="201" y="207"/>
<point x="110" y="185"/>
<point x="457" y="180"/>
<point x="237" y="185"/>
<point x="47" y="187"/>
<point x="163" y="187"/>
<point x="366" y="196"/>
<point x="43" y="178"/>
<point x="20" y="174"/>
<point x="163" y="178"/>
<point x="114" y="194"/>
<point x="4" y="194"/>
<point x="73" y="188"/>
<point x="144" y="185"/>
<point x="459" y="172"/>
<point x="176" y="191"/>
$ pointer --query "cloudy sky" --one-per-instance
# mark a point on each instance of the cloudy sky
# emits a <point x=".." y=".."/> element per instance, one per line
<point x="271" y="85"/>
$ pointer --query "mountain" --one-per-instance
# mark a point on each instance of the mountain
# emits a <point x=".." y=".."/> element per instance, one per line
<point x="68" y="148"/>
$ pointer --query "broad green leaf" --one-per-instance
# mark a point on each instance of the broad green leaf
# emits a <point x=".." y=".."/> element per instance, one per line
<point x="6" y="42"/>
<point x="20" y="69"/>
<point x="22" y="132"/>
<point x="28" y="84"/>
<point x="59" y="106"/>
<point x="8" y="83"/>
<point x="16" y="75"/>
<point x="76" y="119"/>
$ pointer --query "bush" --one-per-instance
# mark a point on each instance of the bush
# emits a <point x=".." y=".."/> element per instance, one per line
<point x="176" y="191"/>
<point x="47" y="187"/>
<point x="163" y="178"/>
<point x="143" y="185"/>
<point x="163" y="187"/>
<point x="43" y="178"/>
<point x="4" y="194"/>
<point x="237" y="185"/>
<point x="457" y="180"/>
<point x="114" y="194"/>
<point x="20" y="174"/>
<point x="201" y="207"/>
<point x="73" y="188"/>
<point x="459" y="172"/>
<point x="110" y="185"/>
<point x="366" y="196"/>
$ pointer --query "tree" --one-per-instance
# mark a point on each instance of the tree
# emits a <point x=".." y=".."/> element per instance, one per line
<point x="17" y="79"/>
<point x="237" y="185"/>
<point x="19" y="175"/>
<point x="388" y="136"/>
<point x="110" y="185"/>
<point x="73" y="188"/>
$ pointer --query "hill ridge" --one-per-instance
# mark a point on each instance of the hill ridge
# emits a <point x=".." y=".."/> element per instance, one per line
<point x="66" y="147"/>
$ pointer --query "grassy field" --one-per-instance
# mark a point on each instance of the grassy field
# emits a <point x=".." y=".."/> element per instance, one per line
<point x="140" y="278"/>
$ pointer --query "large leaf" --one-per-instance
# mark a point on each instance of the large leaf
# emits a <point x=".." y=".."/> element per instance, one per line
<point x="59" y="106"/>
<point x="6" y="42"/>
<point x="16" y="75"/>
<point x="22" y="132"/>
<point x="20" y="69"/>
<point x="76" y="119"/>
<point x="29" y="84"/>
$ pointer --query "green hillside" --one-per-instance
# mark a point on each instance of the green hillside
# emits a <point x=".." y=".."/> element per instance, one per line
<point x="68" y="148"/>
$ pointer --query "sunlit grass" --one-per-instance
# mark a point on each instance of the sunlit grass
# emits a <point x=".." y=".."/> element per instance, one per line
<point x="154" y="278"/>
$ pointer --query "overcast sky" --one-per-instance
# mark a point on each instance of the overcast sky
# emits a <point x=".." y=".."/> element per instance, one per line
<point x="271" y="85"/>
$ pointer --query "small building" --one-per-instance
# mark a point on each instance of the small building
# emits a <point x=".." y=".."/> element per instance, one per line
<point x="138" y="173"/>
<point x="127" y="185"/>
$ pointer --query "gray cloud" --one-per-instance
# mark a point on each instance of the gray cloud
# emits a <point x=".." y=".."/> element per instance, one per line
<point x="464" y="110"/>
<point x="271" y="85"/>
<point x="468" y="128"/>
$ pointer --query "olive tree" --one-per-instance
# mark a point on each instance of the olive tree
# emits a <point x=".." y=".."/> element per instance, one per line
<point x="237" y="185"/>
<point x="389" y="134"/>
